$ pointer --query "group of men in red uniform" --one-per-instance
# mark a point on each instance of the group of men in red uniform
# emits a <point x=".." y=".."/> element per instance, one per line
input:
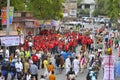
<point x="54" y="41"/>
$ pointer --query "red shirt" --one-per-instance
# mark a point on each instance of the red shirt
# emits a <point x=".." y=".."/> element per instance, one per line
<point x="89" y="41"/>
<point x="80" y="37"/>
<point x="84" y="41"/>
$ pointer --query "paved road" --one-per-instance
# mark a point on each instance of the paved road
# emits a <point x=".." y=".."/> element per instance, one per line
<point x="81" y="76"/>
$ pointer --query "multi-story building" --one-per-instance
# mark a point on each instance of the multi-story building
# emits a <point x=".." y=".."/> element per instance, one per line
<point x="70" y="9"/>
<point x="88" y="4"/>
<point x="24" y="20"/>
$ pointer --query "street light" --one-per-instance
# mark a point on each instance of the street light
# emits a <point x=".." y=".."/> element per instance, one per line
<point x="8" y="16"/>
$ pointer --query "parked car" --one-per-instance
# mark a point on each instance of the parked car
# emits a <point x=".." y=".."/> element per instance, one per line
<point x="87" y="19"/>
<point x="104" y="20"/>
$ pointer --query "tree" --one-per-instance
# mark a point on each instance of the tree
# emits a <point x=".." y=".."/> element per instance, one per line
<point x="79" y="11"/>
<point x="112" y="9"/>
<point x="3" y="3"/>
<point x="46" y="9"/>
<point x="17" y="4"/>
<point x="100" y="8"/>
<point x="79" y="2"/>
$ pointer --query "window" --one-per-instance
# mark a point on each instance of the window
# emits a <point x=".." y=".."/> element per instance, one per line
<point x="23" y="14"/>
<point x="28" y="15"/>
<point x="17" y="14"/>
<point x="87" y="6"/>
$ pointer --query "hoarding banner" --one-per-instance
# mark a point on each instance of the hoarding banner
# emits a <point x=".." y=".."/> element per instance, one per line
<point x="73" y="12"/>
<point x="108" y="63"/>
<point x="10" y="41"/>
<point x="108" y="73"/>
<point x="4" y="15"/>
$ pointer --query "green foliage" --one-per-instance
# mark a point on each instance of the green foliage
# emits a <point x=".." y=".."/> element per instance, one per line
<point x="17" y="4"/>
<point x="100" y="8"/>
<point x="3" y="3"/>
<point x="84" y="12"/>
<point x="79" y="2"/>
<point x="113" y="9"/>
<point x="46" y="9"/>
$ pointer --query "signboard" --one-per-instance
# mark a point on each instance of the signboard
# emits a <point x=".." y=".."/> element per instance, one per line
<point x="10" y="41"/>
<point x="29" y="24"/>
<point x="37" y="23"/>
<point x="108" y="73"/>
<point x="4" y="15"/>
<point x="73" y="12"/>
<point x="108" y="62"/>
<point x="65" y="14"/>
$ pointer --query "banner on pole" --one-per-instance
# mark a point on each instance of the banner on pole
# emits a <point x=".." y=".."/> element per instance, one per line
<point x="4" y="15"/>
<point x="108" y="73"/>
<point x="108" y="63"/>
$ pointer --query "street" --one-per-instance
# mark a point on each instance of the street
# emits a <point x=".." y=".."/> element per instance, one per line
<point x="81" y="76"/>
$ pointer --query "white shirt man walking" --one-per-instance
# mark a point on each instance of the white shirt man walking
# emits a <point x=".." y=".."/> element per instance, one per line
<point x="67" y="64"/>
<point x="76" y="65"/>
<point x="19" y="69"/>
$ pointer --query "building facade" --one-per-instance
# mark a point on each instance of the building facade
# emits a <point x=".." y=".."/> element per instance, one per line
<point x="70" y="9"/>
<point x="24" y="20"/>
<point x="88" y="4"/>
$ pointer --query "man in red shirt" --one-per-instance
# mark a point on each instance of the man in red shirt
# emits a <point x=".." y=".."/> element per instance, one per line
<point x="89" y="42"/>
<point x="80" y="37"/>
<point x="84" y="42"/>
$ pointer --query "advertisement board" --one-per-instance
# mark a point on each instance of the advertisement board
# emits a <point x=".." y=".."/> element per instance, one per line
<point x="108" y="73"/>
<point x="10" y="41"/>
<point x="73" y="12"/>
<point x="108" y="63"/>
<point x="4" y="15"/>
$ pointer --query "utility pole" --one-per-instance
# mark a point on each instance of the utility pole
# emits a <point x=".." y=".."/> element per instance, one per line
<point x="8" y="24"/>
<point x="8" y="16"/>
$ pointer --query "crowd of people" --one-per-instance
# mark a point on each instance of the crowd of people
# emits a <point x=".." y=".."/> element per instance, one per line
<point x="56" y="52"/>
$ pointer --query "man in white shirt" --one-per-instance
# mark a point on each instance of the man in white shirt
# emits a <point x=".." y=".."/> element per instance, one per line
<point x="7" y="53"/>
<point x="38" y="54"/>
<point x="19" y="69"/>
<point x="17" y="51"/>
<point x="76" y="65"/>
<point x="1" y="54"/>
<point x="67" y="64"/>
<point x="30" y="44"/>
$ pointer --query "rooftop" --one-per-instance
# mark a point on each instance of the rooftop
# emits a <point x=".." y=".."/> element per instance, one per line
<point x="88" y="2"/>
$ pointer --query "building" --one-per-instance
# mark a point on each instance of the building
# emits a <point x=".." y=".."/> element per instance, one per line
<point x="70" y="9"/>
<point x="24" y="20"/>
<point x="88" y="4"/>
